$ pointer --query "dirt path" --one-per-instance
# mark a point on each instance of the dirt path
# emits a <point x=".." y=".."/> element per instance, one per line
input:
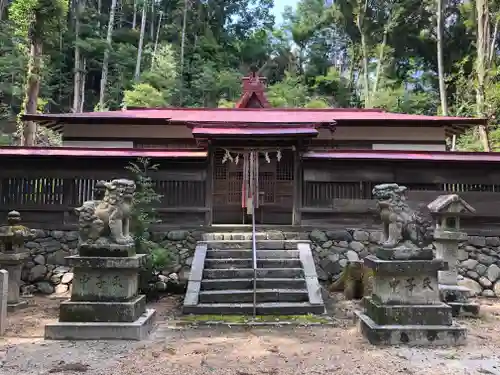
<point x="218" y="351"/>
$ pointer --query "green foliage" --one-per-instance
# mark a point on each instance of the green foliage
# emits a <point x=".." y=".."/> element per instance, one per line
<point x="143" y="95"/>
<point x="144" y="214"/>
<point x="313" y="60"/>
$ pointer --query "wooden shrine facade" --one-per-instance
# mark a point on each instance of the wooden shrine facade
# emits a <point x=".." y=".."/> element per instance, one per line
<point x="308" y="189"/>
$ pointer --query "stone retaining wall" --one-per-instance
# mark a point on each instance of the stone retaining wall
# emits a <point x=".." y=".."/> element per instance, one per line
<point x="46" y="271"/>
<point x="479" y="257"/>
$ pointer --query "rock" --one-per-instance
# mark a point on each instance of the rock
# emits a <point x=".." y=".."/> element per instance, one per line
<point x="469" y="248"/>
<point x="57" y="234"/>
<point x="361" y="236"/>
<point x="344" y="244"/>
<point x="39" y="259"/>
<point x="472" y="285"/>
<point x="343" y="262"/>
<point x="188" y="261"/>
<point x="470" y="264"/>
<point x="481" y="269"/>
<point x="488" y="293"/>
<point x="67" y="278"/>
<point x="477" y="241"/>
<point x="318" y="236"/>
<point x="58" y="257"/>
<point x="339" y="235"/>
<point x="45" y="287"/>
<point x="177" y="235"/>
<point x="61" y="269"/>
<point x="493" y="273"/>
<point x="496" y="288"/>
<point x="473" y="275"/>
<point x="485" y="282"/>
<point x="462" y="255"/>
<point x="55" y="278"/>
<point x="71" y="236"/>
<point x="375" y="236"/>
<point x="330" y="264"/>
<point x="485" y="259"/>
<point x="32" y="245"/>
<point x="352" y="256"/>
<point x="160" y="286"/>
<point x="356" y="246"/>
<point x="492" y="241"/>
<point x="327" y="244"/>
<point x="50" y="245"/>
<point x="61" y="289"/>
<point x="37" y="273"/>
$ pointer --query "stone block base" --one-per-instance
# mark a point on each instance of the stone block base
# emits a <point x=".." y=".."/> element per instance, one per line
<point x="439" y="314"/>
<point x="138" y="330"/>
<point x="11" y="307"/>
<point x="464" y="309"/>
<point x="84" y="311"/>
<point x="454" y="293"/>
<point x="413" y="335"/>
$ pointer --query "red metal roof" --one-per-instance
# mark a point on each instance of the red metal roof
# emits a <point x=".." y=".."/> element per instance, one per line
<point x="100" y="152"/>
<point x="492" y="157"/>
<point x="258" y="116"/>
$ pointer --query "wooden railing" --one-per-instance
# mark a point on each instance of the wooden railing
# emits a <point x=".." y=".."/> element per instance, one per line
<point x="339" y="193"/>
<point x="46" y="190"/>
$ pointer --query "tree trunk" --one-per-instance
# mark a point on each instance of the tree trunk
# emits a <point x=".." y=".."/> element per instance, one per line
<point x="105" y="61"/>
<point x="183" y="47"/>
<point x="32" y="91"/>
<point x="380" y="61"/>
<point x="78" y="74"/>
<point x="364" y="51"/>
<point x="152" y="30"/>
<point x="134" y="19"/>
<point x="99" y="9"/>
<point x="141" y="42"/>
<point x="440" y="58"/>
<point x="3" y="6"/>
<point x="493" y="44"/>
<point x="481" y="67"/>
<point x="82" y="92"/>
<point x="157" y="34"/>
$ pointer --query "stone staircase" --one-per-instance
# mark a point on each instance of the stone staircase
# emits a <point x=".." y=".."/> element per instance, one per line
<point x="222" y="276"/>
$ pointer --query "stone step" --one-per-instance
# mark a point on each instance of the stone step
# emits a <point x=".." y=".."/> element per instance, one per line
<point x="266" y="235"/>
<point x="272" y="283"/>
<point x="247" y="253"/>
<point x="268" y="308"/>
<point x="235" y="273"/>
<point x="262" y="295"/>
<point x="247" y="244"/>
<point x="248" y="263"/>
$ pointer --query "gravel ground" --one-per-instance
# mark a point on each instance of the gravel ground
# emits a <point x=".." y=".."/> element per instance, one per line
<point x="220" y="351"/>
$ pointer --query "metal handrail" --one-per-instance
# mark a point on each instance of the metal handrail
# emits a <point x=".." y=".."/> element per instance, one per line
<point x="254" y="256"/>
<point x="254" y="245"/>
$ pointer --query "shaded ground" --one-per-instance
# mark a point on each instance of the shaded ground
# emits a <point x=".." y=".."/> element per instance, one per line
<point x="276" y="351"/>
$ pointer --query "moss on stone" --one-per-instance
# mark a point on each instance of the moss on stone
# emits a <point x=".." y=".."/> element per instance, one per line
<point x="242" y="319"/>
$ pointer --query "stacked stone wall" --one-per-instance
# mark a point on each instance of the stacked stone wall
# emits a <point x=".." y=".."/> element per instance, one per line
<point x="46" y="271"/>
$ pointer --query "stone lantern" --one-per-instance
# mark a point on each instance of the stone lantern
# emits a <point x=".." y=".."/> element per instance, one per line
<point x="12" y="255"/>
<point x="446" y="210"/>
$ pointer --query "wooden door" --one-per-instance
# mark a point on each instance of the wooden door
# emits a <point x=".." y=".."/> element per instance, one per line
<point x="275" y="190"/>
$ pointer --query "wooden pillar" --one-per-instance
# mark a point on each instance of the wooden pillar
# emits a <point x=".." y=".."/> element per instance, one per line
<point x="297" y="186"/>
<point x="209" y="183"/>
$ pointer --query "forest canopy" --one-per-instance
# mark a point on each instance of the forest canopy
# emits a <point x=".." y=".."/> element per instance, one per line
<point x="433" y="57"/>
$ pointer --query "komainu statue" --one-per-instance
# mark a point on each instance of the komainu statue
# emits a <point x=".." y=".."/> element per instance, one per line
<point x="402" y="225"/>
<point x="107" y="221"/>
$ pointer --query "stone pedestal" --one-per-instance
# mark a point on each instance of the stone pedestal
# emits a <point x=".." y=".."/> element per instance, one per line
<point x="446" y="243"/>
<point x="104" y="300"/>
<point x="13" y="264"/>
<point x="405" y="307"/>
